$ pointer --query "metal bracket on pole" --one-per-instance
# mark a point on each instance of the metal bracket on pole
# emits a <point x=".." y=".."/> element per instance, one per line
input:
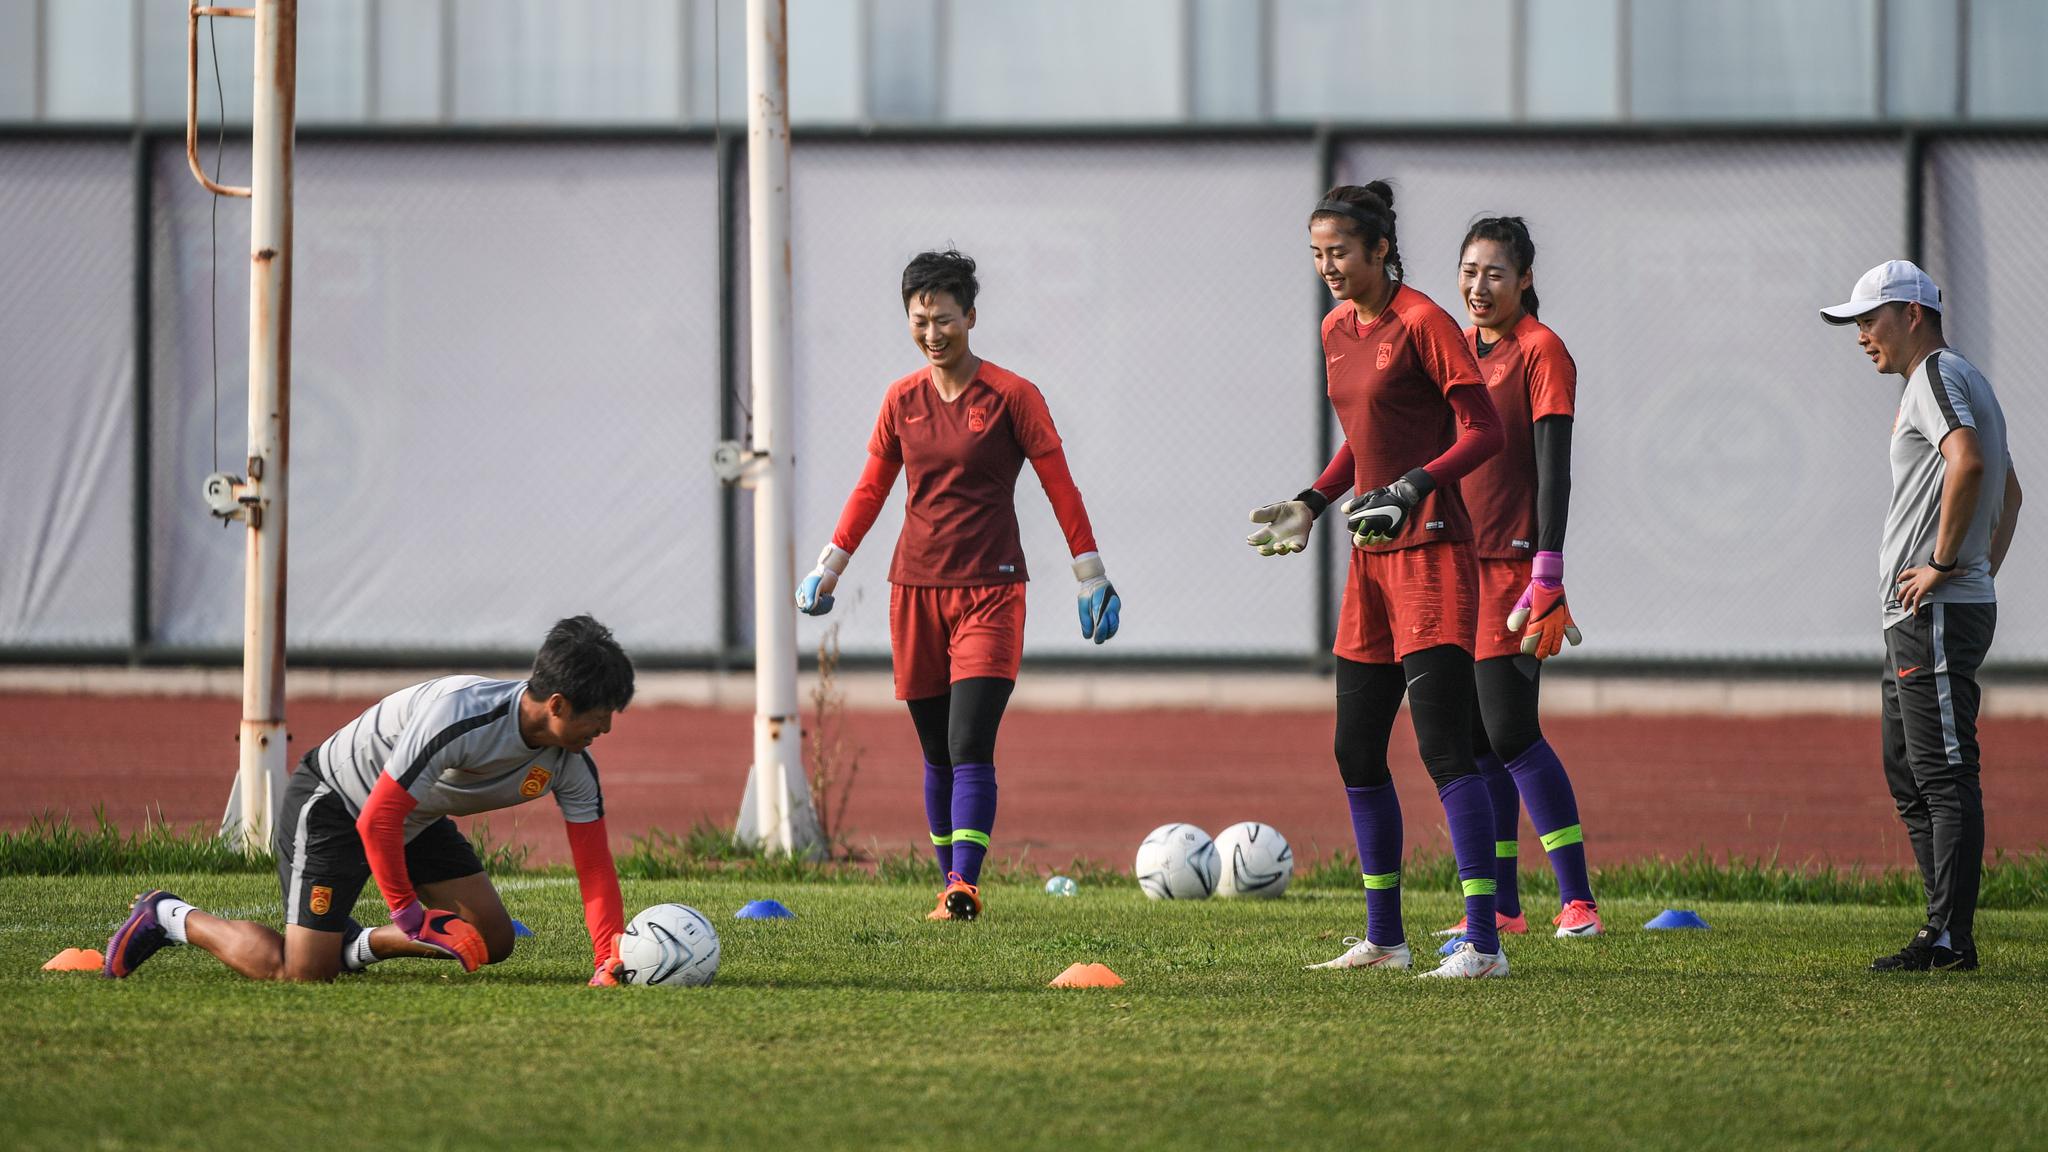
<point x="232" y="498"/>
<point x="736" y="465"/>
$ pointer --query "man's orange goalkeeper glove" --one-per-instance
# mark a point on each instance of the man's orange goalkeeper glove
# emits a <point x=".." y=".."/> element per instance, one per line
<point x="445" y="932"/>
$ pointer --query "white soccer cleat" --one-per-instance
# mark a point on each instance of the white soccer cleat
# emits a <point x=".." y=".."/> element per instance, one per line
<point x="1366" y="954"/>
<point x="1469" y="963"/>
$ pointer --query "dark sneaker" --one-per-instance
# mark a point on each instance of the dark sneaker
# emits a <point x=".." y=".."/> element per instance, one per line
<point x="1954" y="960"/>
<point x="1916" y="956"/>
<point x="138" y="938"/>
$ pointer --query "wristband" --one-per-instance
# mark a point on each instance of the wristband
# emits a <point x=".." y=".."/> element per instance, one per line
<point x="1944" y="569"/>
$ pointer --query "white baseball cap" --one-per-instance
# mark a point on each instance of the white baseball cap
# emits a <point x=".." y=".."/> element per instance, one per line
<point x="1891" y="281"/>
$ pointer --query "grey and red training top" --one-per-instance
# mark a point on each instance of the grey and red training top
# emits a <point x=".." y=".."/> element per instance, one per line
<point x="452" y="747"/>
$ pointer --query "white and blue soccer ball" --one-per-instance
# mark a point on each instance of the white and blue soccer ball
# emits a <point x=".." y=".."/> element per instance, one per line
<point x="1255" y="861"/>
<point x="669" y="944"/>
<point x="1177" y="862"/>
<point x="1061" y="886"/>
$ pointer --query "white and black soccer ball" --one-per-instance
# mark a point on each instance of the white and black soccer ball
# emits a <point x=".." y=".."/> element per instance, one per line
<point x="671" y="945"/>
<point x="1255" y="860"/>
<point x="1177" y="862"/>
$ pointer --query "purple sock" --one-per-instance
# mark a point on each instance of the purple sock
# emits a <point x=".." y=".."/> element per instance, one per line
<point x="1469" y="812"/>
<point x="938" y="812"/>
<point x="1507" y="833"/>
<point x="1554" y="811"/>
<point x="974" y="817"/>
<point x="1376" y="826"/>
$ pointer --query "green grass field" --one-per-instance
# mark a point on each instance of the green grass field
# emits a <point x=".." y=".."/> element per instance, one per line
<point x="860" y="1025"/>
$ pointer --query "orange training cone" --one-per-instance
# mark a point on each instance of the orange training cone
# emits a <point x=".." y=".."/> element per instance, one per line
<point x="76" y="960"/>
<point x="1087" y="976"/>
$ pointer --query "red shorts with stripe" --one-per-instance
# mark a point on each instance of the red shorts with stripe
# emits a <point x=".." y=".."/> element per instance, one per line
<point x="939" y="635"/>
<point x="1500" y="584"/>
<point x="1407" y="600"/>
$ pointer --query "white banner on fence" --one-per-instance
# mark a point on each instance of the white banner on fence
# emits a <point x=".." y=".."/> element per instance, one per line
<point x="504" y="397"/>
<point x="67" y="392"/>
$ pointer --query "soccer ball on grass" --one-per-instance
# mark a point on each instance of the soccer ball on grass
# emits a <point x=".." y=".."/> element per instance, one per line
<point x="669" y="944"/>
<point x="1255" y="861"/>
<point x="1177" y="862"/>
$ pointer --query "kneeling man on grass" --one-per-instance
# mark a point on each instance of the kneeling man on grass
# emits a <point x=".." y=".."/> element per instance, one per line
<point x="375" y="800"/>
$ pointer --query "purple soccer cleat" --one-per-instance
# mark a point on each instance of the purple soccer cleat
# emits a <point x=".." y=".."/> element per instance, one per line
<point x="138" y="939"/>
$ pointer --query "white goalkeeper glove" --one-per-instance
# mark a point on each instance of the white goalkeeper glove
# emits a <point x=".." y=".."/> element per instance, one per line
<point x="1286" y="524"/>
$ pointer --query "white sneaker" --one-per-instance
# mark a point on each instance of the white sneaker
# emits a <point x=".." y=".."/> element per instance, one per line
<point x="1366" y="954"/>
<point x="1469" y="963"/>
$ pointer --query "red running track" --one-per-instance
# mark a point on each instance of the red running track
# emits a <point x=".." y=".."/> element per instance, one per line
<point x="1092" y="783"/>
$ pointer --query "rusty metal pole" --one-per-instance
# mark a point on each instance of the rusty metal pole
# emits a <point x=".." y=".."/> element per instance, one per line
<point x="776" y="810"/>
<point x="260" y="780"/>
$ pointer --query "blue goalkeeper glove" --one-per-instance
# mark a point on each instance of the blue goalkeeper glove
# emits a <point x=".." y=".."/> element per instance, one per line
<point x="814" y="592"/>
<point x="1099" y="603"/>
<point x="1379" y="515"/>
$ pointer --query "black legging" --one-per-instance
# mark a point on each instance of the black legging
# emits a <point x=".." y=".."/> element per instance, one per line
<point x="1506" y="723"/>
<point x="960" y="727"/>
<point x="1438" y="684"/>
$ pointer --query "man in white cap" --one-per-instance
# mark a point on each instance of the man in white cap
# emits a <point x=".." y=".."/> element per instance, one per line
<point x="1955" y="499"/>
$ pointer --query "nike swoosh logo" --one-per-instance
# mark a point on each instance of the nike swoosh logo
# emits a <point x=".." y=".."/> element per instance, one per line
<point x="440" y="923"/>
<point x="1418" y="679"/>
<point x="912" y="419"/>
<point x="1905" y="672"/>
<point x="1336" y="358"/>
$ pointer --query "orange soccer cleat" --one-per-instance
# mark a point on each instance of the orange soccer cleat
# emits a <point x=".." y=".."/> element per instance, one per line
<point x="1579" y="918"/>
<point x="1514" y="925"/>
<point x="959" y="901"/>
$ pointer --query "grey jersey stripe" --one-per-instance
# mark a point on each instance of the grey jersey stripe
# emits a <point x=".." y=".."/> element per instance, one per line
<point x="447" y="736"/>
<point x="1940" y="389"/>
<point x="298" y="876"/>
<point x="595" y="783"/>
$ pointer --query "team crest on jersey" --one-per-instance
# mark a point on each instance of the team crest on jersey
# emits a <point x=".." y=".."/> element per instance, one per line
<point x="536" y="782"/>
<point x="322" y="899"/>
<point x="1385" y="357"/>
<point x="977" y="419"/>
<point x="1500" y="373"/>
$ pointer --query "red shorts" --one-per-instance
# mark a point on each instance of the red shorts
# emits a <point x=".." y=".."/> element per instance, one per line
<point x="1500" y="584"/>
<point x="1407" y="600"/>
<point x="939" y="635"/>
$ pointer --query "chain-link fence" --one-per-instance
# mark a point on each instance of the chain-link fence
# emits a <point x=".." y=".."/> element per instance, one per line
<point x="507" y="376"/>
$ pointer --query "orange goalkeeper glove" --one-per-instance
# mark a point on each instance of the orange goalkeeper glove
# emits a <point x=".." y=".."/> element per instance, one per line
<point x="1541" y="615"/>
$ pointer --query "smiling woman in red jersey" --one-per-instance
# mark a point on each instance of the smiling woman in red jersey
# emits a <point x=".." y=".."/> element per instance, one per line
<point x="1416" y="419"/>
<point x="960" y="429"/>
<point x="1518" y="502"/>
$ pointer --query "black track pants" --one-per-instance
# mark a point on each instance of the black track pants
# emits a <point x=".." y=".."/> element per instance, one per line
<point x="1930" y="753"/>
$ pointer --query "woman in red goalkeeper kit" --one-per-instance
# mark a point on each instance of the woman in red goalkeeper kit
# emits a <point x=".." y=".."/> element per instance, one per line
<point x="960" y="429"/>
<point x="1519" y="501"/>
<point x="1416" y="419"/>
